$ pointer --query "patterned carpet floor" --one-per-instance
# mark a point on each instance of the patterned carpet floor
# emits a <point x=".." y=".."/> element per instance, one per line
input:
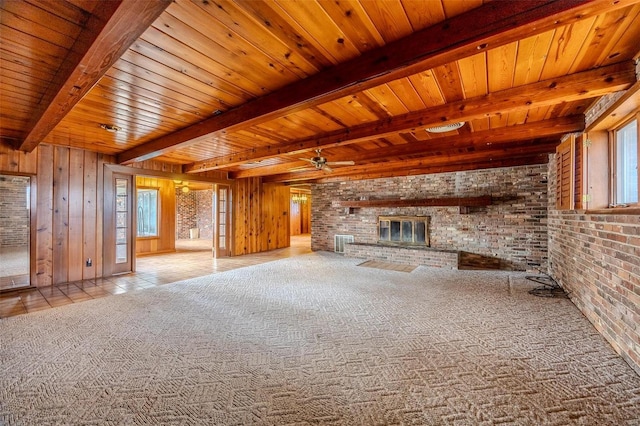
<point x="316" y="340"/>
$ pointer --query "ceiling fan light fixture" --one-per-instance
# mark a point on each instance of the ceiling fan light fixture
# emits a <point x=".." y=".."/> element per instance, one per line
<point x="445" y="128"/>
<point x="110" y="128"/>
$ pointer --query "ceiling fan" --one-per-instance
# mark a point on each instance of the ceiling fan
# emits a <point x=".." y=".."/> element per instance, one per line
<point x="321" y="163"/>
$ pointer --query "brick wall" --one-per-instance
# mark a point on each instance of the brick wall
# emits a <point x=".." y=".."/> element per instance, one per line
<point x="514" y="229"/>
<point x="596" y="259"/>
<point x="14" y="215"/>
<point x="186" y="213"/>
<point x="194" y="210"/>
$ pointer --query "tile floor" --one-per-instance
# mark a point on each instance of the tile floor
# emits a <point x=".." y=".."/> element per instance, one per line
<point x="190" y="261"/>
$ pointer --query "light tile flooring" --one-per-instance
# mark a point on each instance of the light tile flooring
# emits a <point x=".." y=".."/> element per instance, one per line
<point x="191" y="260"/>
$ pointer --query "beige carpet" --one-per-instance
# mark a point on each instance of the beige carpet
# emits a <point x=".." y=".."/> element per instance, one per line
<point x="316" y="340"/>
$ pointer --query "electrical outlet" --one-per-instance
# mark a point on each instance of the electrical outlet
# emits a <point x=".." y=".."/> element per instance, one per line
<point x="89" y="262"/>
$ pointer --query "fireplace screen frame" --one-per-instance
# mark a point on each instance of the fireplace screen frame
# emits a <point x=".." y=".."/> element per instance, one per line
<point x="404" y="230"/>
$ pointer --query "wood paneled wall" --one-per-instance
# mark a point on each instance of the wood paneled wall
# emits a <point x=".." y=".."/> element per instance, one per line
<point x="166" y="241"/>
<point x="69" y="195"/>
<point x="261" y="216"/>
<point x="68" y="213"/>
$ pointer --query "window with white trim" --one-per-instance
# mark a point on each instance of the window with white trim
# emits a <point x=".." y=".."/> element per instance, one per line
<point x="625" y="155"/>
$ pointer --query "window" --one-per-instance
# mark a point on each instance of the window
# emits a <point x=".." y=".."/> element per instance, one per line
<point x="403" y="230"/>
<point x="147" y="212"/>
<point x="626" y="164"/>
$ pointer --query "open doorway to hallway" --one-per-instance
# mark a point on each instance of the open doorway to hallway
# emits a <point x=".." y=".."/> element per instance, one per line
<point x="195" y="217"/>
<point x="300" y="214"/>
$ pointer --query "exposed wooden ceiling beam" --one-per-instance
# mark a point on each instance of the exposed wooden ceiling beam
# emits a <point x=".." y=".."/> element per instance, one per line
<point x="523" y="149"/>
<point x="507" y="161"/>
<point x="453" y="39"/>
<point x="583" y="85"/>
<point x="494" y="138"/>
<point x="108" y="33"/>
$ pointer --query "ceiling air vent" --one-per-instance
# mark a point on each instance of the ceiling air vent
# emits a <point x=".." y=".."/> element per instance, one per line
<point x="445" y="128"/>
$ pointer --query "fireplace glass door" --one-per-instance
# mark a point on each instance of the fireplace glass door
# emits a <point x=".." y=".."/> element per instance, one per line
<point x="403" y="230"/>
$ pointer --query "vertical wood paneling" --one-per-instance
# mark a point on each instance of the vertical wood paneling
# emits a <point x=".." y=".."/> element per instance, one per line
<point x="261" y="216"/>
<point x="60" y="214"/>
<point x="76" y="215"/>
<point x="295" y="212"/>
<point x="44" y="217"/>
<point x="89" y="232"/>
<point x="306" y="216"/>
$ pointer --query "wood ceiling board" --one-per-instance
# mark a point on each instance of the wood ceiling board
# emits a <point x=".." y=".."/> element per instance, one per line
<point x="448" y="78"/>
<point x="135" y="106"/>
<point x="407" y="94"/>
<point x="53" y="29"/>
<point x="367" y="101"/>
<point x="223" y="77"/>
<point x="299" y="124"/>
<point x="15" y="72"/>
<point x="473" y="75"/>
<point x="127" y="89"/>
<point x="319" y="29"/>
<point x="531" y="57"/>
<point x="427" y="88"/>
<point x="104" y="38"/>
<point x="73" y="11"/>
<point x="502" y="62"/>
<point x="583" y="85"/>
<point x="368" y="71"/>
<point x="38" y="50"/>
<point x="390" y="18"/>
<point x="248" y="63"/>
<point x="355" y="23"/>
<point x="612" y="36"/>
<point x="178" y="64"/>
<point x="424" y="14"/>
<point x="169" y="77"/>
<point x="351" y="110"/>
<point x="319" y="119"/>
<point x="387" y="99"/>
<point x="238" y="24"/>
<point x="628" y="41"/>
<point x="139" y="76"/>
<point x="289" y="33"/>
<point x="566" y="48"/>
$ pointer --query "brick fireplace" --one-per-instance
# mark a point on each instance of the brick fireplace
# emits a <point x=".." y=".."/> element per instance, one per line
<point x="511" y="231"/>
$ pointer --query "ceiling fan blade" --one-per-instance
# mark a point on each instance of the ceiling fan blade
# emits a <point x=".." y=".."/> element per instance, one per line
<point x="307" y="159"/>
<point x="326" y="168"/>
<point x="340" y="163"/>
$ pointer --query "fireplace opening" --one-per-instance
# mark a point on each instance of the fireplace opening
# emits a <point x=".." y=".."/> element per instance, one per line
<point x="404" y="230"/>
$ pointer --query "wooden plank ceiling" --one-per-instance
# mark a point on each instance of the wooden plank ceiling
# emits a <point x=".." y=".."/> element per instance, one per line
<point x="251" y="87"/>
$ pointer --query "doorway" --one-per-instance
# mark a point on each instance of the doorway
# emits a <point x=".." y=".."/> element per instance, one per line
<point x="203" y="218"/>
<point x="15" y="231"/>
<point x="300" y="216"/>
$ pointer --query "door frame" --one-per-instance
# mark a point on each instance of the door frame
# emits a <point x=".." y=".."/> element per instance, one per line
<point x="109" y="266"/>
<point x="227" y="250"/>
<point x="108" y="217"/>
